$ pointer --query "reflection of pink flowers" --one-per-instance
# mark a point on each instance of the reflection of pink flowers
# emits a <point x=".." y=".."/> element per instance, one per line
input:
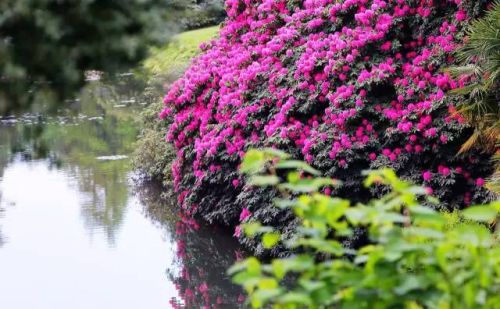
<point x="219" y="300"/>
<point x="245" y="213"/>
<point x="203" y="287"/>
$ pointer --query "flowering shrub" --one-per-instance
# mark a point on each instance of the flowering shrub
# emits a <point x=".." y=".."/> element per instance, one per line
<point x="344" y="85"/>
<point x="416" y="258"/>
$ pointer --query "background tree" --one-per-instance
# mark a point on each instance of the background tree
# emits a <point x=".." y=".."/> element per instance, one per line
<point x="45" y="45"/>
<point x="480" y="65"/>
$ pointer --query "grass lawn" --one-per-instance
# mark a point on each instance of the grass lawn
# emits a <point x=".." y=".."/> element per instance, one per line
<point x="178" y="53"/>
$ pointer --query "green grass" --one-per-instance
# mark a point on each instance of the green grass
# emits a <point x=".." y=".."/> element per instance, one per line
<point x="178" y="53"/>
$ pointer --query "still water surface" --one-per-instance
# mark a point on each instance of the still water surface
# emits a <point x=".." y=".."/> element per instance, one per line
<point x="76" y="231"/>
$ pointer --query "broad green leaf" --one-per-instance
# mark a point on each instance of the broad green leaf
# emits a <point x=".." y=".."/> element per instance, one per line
<point x="295" y="298"/>
<point x="484" y="213"/>
<point x="267" y="283"/>
<point x="248" y="280"/>
<point x="237" y="267"/>
<point x="298" y="165"/>
<point x="276" y="153"/>
<point x="284" y="203"/>
<point x="278" y="269"/>
<point x="253" y="265"/>
<point x="307" y="185"/>
<point x="423" y="232"/>
<point x="253" y="162"/>
<point x="253" y="228"/>
<point x="261" y="181"/>
<point x="269" y="240"/>
<point x="311" y="285"/>
<point x="261" y="297"/>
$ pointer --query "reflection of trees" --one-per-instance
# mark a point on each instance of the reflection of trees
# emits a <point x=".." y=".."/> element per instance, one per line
<point x="2" y="241"/>
<point x="4" y="157"/>
<point x="105" y="192"/>
<point x="203" y="255"/>
<point x="92" y="127"/>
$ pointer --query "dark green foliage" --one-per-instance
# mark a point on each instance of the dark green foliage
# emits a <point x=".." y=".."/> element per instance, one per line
<point x="153" y="156"/>
<point x="46" y="44"/>
<point x="196" y="14"/>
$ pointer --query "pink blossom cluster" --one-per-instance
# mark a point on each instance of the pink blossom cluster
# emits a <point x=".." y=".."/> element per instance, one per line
<point x="351" y="82"/>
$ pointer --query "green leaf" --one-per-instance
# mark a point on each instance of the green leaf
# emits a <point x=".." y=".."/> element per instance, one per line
<point x="253" y="228"/>
<point x="410" y="283"/>
<point x="253" y="162"/>
<point x="417" y="209"/>
<point x="269" y="240"/>
<point x="299" y="165"/>
<point x="278" y="269"/>
<point x="262" y="181"/>
<point x="284" y="203"/>
<point x="261" y="297"/>
<point x="253" y="265"/>
<point x="484" y="213"/>
<point x="311" y="285"/>
<point x="423" y="232"/>
<point x="295" y="298"/>
<point x="267" y="283"/>
<point x="275" y="153"/>
<point x="236" y="268"/>
<point x="308" y="185"/>
<point x="246" y="279"/>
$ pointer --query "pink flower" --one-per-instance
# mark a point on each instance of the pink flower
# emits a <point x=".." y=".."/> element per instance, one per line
<point x="237" y="231"/>
<point x="427" y="175"/>
<point x="461" y="15"/>
<point x="372" y="156"/>
<point x="245" y="213"/>
<point x="328" y="191"/>
<point x="445" y="171"/>
<point x="430" y="132"/>
<point x="386" y="46"/>
<point x="235" y="182"/>
<point x="241" y="298"/>
<point x="480" y="182"/>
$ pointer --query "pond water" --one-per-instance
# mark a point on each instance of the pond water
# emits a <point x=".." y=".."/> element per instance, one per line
<point x="76" y="230"/>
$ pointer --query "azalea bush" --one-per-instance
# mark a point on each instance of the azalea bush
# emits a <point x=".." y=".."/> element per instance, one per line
<point x="415" y="257"/>
<point x="344" y="85"/>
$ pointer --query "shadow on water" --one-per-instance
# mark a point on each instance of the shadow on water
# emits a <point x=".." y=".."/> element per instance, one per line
<point x="80" y="157"/>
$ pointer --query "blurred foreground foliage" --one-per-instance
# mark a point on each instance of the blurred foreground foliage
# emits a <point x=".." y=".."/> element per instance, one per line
<point x="415" y="257"/>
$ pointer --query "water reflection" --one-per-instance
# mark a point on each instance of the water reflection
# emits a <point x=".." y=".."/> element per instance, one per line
<point x="77" y="232"/>
<point x="203" y="254"/>
<point x="74" y="140"/>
